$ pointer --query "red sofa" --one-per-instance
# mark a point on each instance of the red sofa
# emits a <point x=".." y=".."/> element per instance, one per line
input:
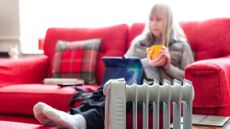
<point x="21" y="79"/>
<point x="210" y="74"/>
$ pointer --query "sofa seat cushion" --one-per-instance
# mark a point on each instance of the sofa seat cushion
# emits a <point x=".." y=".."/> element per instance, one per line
<point x="222" y="111"/>
<point x="19" y="118"/>
<point x="21" y="125"/>
<point x="20" y="99"/>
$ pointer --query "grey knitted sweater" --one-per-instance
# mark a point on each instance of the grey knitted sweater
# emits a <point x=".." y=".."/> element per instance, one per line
<point x="180" y="52"/>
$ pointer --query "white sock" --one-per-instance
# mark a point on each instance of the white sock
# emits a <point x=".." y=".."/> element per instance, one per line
<point x="38" y="114"/>
<point x="65" y="120"/>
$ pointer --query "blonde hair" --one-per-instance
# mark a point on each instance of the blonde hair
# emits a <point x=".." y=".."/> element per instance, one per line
<point x="171" y="30"/>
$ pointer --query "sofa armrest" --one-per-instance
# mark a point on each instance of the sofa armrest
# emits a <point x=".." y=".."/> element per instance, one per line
<point x="211" y="81"/>
<point x="23" y="70"/>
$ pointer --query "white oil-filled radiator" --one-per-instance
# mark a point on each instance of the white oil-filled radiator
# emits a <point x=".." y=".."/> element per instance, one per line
<point x="117" y="93"/>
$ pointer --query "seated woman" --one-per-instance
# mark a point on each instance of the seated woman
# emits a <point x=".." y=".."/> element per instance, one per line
<point x="174" y="55"/>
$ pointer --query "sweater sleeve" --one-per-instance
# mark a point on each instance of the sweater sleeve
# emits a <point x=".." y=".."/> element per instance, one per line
<point x="186" y="59"/>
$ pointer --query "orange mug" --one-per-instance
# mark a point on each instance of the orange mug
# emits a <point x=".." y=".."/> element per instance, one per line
<point x="153" y="50"/>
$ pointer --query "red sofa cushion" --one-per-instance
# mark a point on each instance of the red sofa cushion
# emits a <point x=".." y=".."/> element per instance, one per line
<point x="222" y="111"/>
<point x="19" y="118"/>
<point x="210" y="38"/>
<point x="135" y="30"/>
<point x="23" y="70"/>
<point x="76" y="59"/>
<point x="114" y="42"/>
<point x="20" y="99"/>
<point x="19" y="125"/>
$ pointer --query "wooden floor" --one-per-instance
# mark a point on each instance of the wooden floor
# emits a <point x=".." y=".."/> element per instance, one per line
<point x="226" y="126"/>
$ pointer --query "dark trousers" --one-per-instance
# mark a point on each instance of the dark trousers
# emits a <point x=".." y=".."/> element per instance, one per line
<point x="93" y="110"/>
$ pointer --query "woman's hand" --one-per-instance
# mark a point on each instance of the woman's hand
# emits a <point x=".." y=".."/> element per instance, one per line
<point x="160" y="60"/>
<point x="163" y="58"/>
<point x="165" y="52"/>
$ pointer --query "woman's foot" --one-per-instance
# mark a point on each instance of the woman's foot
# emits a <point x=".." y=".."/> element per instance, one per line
<point x="38" y="114"/>
<point x="49" y="116"/>
<point x="65" y="120"/>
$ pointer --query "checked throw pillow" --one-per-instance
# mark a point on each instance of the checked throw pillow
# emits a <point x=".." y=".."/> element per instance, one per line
<point x="76" y="59"/>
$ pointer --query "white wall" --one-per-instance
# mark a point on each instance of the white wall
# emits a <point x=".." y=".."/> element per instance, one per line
<point x="38" y="15"/>
<point x="9" y="24"/>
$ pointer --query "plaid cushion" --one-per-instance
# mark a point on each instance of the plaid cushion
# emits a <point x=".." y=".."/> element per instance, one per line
<point x="76" y="59"/>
